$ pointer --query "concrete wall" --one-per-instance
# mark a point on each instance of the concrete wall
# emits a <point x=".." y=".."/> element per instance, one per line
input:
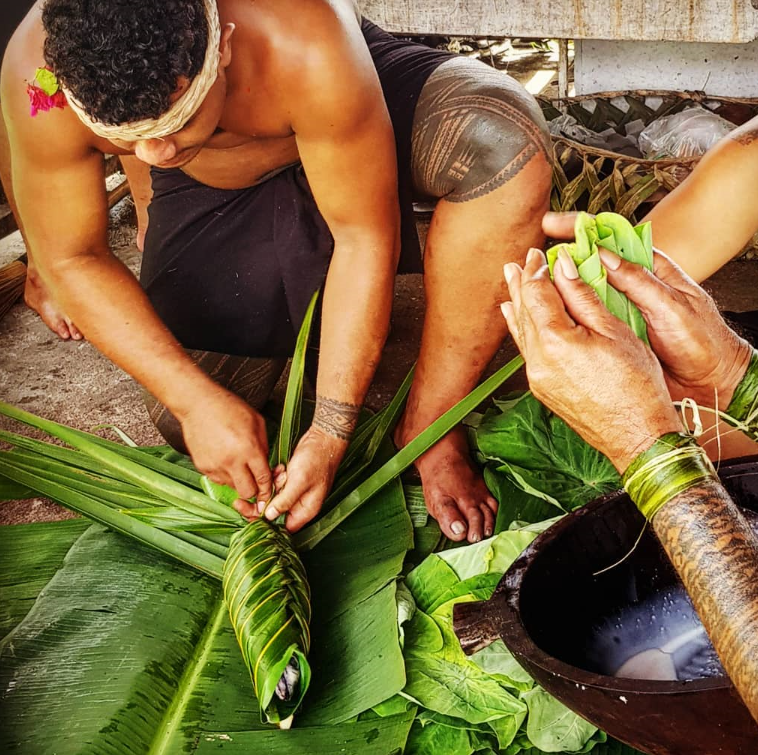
<point x="719" y="69"/>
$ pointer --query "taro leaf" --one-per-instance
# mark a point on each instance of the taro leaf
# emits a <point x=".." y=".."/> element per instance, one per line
<point x="377" y="736"/>
<point x="552" y="727"/>
<point x="491" y="556"/>
<point x="498" y="661"/>
<point x="431" y="738"/>
<point x="444" y="680"/>
<point x="539" y="452"/>
<point x="615" y="233"/>
<point x="514" y="504"/>
<point x="430" y="581"/>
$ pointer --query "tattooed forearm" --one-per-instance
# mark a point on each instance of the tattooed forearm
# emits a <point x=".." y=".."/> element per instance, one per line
<point x="336" y="418"/>
<point x="474" y="129"/>
<point x="715" y="552"/>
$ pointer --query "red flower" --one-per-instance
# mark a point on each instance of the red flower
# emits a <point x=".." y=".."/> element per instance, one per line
<point x="38" y="100"/>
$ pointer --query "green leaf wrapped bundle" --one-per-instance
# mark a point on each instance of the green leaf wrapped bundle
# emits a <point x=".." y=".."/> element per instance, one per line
<point x="616" y="234"/>
<point x="267" y="593"/>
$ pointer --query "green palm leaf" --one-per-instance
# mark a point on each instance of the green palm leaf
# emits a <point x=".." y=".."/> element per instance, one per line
<point x="267" y="593"/>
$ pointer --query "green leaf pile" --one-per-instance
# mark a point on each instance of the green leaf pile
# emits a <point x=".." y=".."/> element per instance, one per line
<point x="535" y="464"/>
<point x="485" y="703"/>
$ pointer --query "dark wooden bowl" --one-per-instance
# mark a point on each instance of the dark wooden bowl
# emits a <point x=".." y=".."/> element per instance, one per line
<point x="547" y="601"/>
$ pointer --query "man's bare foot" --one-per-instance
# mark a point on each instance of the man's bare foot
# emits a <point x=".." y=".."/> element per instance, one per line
<point x="455" y="493"/>
<point x="37" y="298"/>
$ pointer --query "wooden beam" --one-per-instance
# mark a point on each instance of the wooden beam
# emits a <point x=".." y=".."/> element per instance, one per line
<point x="563" y="68"/>
<point x="674" y="20"/>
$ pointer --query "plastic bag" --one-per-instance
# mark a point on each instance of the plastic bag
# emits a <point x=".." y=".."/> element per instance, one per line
<point x="689" y="133"/>
<point x="568" y="126"/>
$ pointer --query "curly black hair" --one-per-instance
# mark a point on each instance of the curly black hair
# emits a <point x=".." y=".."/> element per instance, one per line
<point x="122" y="59"/>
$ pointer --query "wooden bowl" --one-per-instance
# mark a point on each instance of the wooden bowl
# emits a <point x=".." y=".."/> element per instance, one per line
<point x="547" y="602"/>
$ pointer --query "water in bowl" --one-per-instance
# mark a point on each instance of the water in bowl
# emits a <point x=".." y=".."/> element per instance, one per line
<point x="660" y="638"/>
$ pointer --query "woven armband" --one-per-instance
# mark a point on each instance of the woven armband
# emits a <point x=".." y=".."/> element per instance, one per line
<point x="673" y="464"/>
<point x="743" y="407"/>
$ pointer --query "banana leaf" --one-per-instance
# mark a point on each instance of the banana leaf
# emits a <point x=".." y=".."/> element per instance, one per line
<point x="138" y="678"/>
<point x="616" y="234"/>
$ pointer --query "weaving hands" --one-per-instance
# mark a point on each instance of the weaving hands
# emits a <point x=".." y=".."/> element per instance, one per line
<point x="588" y="366"/>
<point x="618" y="393"/>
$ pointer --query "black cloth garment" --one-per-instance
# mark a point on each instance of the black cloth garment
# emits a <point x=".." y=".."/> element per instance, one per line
<point x="233" y="271"/>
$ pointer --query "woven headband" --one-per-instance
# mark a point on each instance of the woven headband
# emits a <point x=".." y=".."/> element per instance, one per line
<point x="180" y="111"/>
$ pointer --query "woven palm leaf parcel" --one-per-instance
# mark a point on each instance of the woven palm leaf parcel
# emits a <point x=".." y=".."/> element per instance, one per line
<point x="268" y="597"/>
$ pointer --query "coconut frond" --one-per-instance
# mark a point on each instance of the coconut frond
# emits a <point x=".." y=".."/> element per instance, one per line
<point x="268" y="597"/>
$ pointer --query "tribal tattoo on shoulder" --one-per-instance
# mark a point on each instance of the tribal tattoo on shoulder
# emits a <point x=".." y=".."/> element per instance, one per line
<point x="337" y="418"/>
<point x="474" y="129"/>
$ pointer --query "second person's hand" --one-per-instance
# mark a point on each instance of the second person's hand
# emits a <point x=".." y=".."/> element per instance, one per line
<point x="585" y="364"/>
<point x="702" y="357"/>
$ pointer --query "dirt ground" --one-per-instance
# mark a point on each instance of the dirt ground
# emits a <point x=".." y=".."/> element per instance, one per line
<point x="72" y="383"/>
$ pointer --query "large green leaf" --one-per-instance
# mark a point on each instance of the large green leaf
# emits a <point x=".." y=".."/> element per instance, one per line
<point x="97" y="660"/>
<point x="386" y="736"/>
<point x="536" y="450"/>
<point x="25" y="570"/>
<point x="355" y="649"/>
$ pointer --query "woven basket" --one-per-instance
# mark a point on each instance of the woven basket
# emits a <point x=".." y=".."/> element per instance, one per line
<point x="597" y="180"/>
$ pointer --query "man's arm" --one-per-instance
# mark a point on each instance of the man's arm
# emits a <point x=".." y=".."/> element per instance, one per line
<point x="710" y="217"/>
<point x="345" y="140"/>
<point x="57" y="177"/>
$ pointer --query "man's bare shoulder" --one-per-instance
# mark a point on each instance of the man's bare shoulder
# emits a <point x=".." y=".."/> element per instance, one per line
<point x="49" y="134"/>
<point x="296" y="33"/>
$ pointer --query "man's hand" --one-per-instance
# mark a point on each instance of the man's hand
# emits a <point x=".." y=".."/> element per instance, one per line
<point x="702" y="357"/>
<point x="585" y="364"/>
<point x="227" y="441"/>
<point x="307" y="480"/>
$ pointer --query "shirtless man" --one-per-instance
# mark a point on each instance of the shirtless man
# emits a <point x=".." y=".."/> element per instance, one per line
<point x="274" y="168"/>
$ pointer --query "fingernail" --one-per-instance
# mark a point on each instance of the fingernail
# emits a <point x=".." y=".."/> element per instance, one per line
<point x="271" y="513"/>
<point x="508" y="272"/>
<point x="261" y="506"/>
<point x="610" y="260"/>
<point x="488" y="532"/>
<point x="458" y="528"/>
<point x="532" y="254"/>
<point x="568" y="266"/>
<point x="475" y="538"/>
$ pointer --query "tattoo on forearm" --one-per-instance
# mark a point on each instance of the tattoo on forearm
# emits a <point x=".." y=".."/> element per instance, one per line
<point x="337" y="418"/>
<point x="474" y="129"/>
<point x="701" y="531"/>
